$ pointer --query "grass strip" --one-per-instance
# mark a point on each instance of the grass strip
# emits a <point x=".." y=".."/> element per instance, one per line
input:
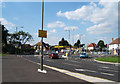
<point x="2" y="54"/>
<point x="110" y="59"/>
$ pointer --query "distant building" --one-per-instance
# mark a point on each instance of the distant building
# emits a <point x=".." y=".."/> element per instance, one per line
<point x="25" y="46"/>
<point x="114" y="46"/>
<point x="39" y="46"/>
<point x="91" y="46"/>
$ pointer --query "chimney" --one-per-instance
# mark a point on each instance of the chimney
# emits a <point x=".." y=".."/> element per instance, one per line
<point x="112" y="39"/>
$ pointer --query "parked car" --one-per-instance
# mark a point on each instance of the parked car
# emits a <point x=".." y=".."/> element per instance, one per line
<point x="83" y="55"/>
<point x="53" y="55"/>
<point x="105" y="53"/>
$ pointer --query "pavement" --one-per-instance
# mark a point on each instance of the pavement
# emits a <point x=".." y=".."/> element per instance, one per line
<point x="17" y="69"/>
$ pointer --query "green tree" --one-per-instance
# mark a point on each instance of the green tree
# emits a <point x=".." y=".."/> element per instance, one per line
<point x="77" y="44"/>
<point x="4" y="38"/>
<point x="19" y="38"/>
<point x="63" y="42"/>
<point x="100" y="45"/>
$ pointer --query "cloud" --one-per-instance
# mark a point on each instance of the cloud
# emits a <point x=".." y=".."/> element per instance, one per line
<point x="7" y="24"/>
<point x="71" y="28"/>
<point x="79" y="36"/>
<point x="100" y="28"/>
<point x="103" y="15"/>
<point x="78" y="14"/>
<point x="57" y="24"/>
<point x="54" y="40"/>
<point x="53" y="31"/>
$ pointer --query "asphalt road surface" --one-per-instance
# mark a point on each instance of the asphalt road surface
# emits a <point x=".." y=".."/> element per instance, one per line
<point x="17" y="70"/>
<point x="85" y="66"/>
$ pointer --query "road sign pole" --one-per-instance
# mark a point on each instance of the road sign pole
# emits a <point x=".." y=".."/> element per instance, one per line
<point x="42" y="37"/>
<point x="42" y="34"/>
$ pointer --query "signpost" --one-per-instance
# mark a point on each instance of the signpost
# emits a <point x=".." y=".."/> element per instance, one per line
<point x="42" y="34"/>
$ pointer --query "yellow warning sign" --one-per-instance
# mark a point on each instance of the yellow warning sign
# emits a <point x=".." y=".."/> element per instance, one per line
<point x="42" y="33"/>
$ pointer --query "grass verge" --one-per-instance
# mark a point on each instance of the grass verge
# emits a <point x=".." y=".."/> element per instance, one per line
<point x="110" y="59"/>
<point x="2" y="54"/>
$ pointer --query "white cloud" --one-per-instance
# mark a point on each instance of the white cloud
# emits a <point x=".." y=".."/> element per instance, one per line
<point x="52" y="40"/>
<point x="57" y="24"/>
<point x="71" y="28"/>
<point x="100" y="28"/>
<point x="103" y="15"/>
<point x="53" y="31"/>
<point x="78" y="14"/>
<point x="7" y="24"/>
<point x="79" y="36"/>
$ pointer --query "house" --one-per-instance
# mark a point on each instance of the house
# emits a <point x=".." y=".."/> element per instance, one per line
<point x="114" y="46"/>
<point x="39" y="46"/>
<point x="91" y="46"/>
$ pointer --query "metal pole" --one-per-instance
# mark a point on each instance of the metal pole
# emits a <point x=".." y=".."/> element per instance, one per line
<point x="41" y="60"/>
<point x="16" y="30"/>
<point x="69" y="35"/>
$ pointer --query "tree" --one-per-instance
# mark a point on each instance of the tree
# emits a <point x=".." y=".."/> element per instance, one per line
<point x="63" y="42"/>
<point x="4" y="38"/>
<point x="77" y="44"/>
<point x="100" y="45"/>
<point x="19" y="38"/>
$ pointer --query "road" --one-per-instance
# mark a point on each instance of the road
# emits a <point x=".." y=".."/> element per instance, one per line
<point x="84" y="66"/>
<point x="16" y="70"/>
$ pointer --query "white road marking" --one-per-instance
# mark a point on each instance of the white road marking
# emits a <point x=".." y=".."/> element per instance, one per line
<point x="50" y="60"/>
<point x="86" y="70"/>
<point x="78" y="75"/>
<point x="108" y="70"/>
<point x="104" y="67"/>
<point x="107" y="74"/>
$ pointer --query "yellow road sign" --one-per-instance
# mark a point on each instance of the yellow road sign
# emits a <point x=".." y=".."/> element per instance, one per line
<point x="42" y="33"/>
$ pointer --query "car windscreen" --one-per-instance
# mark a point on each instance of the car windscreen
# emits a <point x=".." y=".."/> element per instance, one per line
<point x="83" y="53"/>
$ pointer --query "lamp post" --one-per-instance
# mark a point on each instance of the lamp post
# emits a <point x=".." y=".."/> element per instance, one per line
<point x="69" y="34"/>
<point x="17" y="45"/>
<point x="18" y="27"/>
<point x="73" y="36"/>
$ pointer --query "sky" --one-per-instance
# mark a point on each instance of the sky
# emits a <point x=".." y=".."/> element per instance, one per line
<point x="87" y="21"/>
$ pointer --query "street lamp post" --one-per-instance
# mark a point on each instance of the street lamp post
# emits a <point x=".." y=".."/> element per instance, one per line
<point x="69" y="35"/>
<point x="16" y="34"/>
<point x="73" y="37"/>
<point x="18" y="27"/>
